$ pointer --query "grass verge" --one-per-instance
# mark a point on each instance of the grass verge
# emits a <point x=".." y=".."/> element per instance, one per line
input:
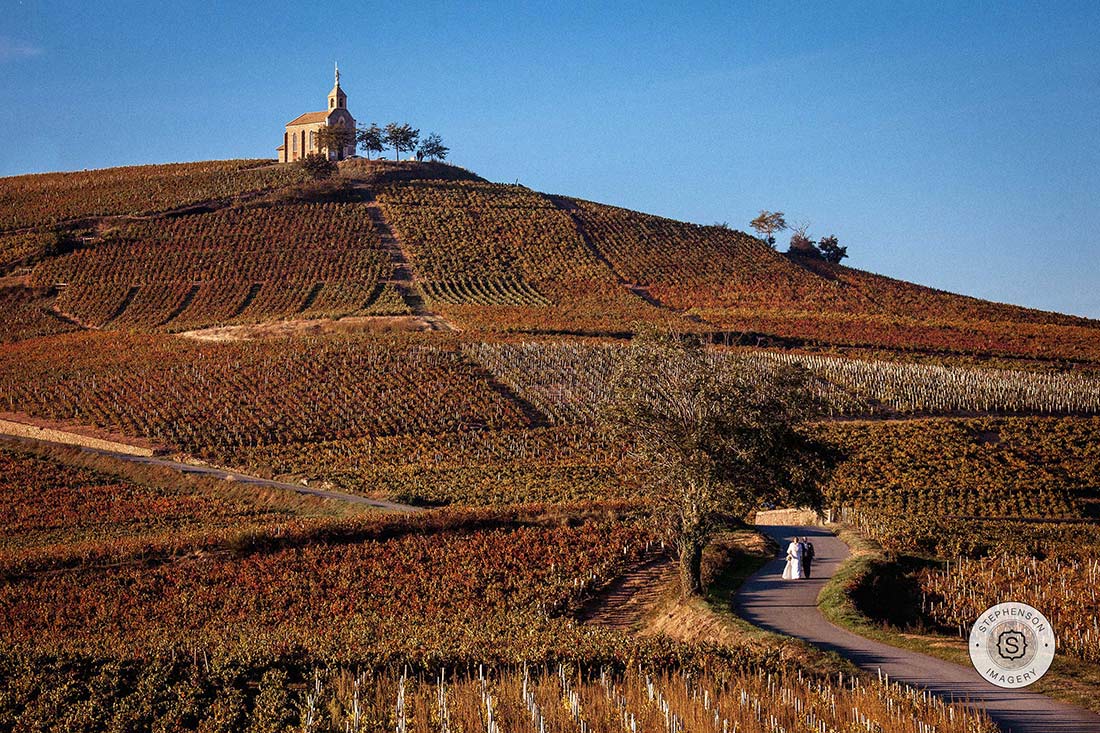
<point x="1069" y="680"/>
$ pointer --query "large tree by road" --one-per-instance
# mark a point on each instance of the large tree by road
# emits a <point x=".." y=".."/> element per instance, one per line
<point x="715" y="437"/>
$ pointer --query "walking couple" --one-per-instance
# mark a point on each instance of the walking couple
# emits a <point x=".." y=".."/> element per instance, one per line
<point x="800" y="555"/>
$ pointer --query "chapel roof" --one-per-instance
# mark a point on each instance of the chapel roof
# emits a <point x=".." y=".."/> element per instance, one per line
<point x="309" y="117"/>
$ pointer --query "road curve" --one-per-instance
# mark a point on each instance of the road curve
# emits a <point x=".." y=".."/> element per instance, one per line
<point x="790" y="607"/>
<point x="226" y="475"/>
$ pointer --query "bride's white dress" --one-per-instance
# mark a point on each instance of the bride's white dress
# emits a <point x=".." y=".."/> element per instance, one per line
<point x="793" y="569"/>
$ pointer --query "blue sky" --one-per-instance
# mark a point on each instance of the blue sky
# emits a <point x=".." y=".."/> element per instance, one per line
<point x="953" y="144"/>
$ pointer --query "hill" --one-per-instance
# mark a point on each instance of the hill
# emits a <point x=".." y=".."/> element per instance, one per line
<point x="413" y="332"/>
<point x="181" y="247"/>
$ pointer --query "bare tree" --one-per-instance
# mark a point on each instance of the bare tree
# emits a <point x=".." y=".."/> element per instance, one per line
<point x="767" y="224"/>
<point x="715" y="437"/>
<point x="802" y="244"/>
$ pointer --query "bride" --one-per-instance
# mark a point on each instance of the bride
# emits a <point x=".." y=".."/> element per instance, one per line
<point x="793" y="569"/>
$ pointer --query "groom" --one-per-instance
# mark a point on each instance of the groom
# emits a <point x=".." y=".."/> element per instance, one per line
<point x="807" y="555"/>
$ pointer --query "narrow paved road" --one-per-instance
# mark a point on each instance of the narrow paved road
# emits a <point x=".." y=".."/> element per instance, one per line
<point x="221" y="473"/>
<point x="790" y="607"/>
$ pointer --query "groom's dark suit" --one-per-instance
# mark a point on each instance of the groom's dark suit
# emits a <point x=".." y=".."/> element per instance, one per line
<point x="807" y="558"/>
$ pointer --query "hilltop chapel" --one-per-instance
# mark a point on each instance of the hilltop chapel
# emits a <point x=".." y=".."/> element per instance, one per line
<point x="299" y="138"/>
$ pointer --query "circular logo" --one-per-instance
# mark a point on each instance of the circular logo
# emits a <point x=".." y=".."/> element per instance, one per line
<point x="1012" y="644"/>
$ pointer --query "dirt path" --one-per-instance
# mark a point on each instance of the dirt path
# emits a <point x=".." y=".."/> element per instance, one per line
<point x="402" y="278"/>
<point x="625" y="604"/>
<point x="790" y="607"/>
<point x="226" y="475"/>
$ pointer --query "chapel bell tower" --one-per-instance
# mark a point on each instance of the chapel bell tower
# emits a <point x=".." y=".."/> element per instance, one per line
<point x="336" y="98"/>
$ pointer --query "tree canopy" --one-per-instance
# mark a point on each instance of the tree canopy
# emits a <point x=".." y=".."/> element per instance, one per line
<point x="433" y="148"/>
<point x="334" y="138"/>
<point x="400" y="137"/>
<point x="767" y="224"/>
<point x="318" y="166"/>
<point x="371" y="139"/>
<point x="831" y="250"/>
<point x="715" y="437"/>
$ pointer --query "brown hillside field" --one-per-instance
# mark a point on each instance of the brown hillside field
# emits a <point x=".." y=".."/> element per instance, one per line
<point x="417" y="334"/>
<point x="240" y="242"/>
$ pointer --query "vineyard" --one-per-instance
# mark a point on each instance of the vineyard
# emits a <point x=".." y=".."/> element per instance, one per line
<point x="206" y="397"/>
<point x="52" y="500"/>
<point x="26" y="315"/>
<point x="136" y="597"/>
<point x="537" y="698"/>
<point x="1050" y="565"/>
<point x="1068" y="591"/>
<point x="506" y="290"/>
<point x="689" y="266"/>
<point x="472" y="232"/>
<point x="50" y="198"/>
<point x="231" y="266"/>
<point x="906" y="333"/>
<point x="1037" y="468"/>
<point x="488" y="257"/>
<point x="1007" y="507"/>
<point x="495" y="593"/>
<point x="569" y="381"/>
<point x="478" y="467"/>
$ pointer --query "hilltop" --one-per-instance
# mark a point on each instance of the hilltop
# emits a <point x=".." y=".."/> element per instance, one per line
<point x="173" y="248"/>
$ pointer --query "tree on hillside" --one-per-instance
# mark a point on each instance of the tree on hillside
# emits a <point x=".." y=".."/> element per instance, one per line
<point x="317" y="166"/>
<point x="831" y="250"/>
<point x="371" y="139"/>
<point x="333" y="139"/>
<point x="400" y="137"/>
<point x="767" y="224"/>
<point x="715" y="437"/>
<point x="433" y="148"/>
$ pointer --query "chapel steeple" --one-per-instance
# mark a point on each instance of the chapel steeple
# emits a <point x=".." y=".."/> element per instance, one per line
<point x="336" y="98"/>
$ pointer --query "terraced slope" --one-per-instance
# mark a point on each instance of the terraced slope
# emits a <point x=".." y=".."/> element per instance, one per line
<point x="230" y="266"/>
<point x="734" y="282"/>
<point x="48" y="198"/>
<point x="186" y="246"/>
<point x="505" y="258"/>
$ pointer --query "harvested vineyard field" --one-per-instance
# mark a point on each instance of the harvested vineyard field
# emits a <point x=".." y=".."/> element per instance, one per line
<point x="49" y="198"/>
<point x="205" y="397"/>
<point x="246" y="264"/>
<point x="63" y="502"/>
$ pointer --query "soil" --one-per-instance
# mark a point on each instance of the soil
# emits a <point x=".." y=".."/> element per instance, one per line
<point x="630" y="599"/>
<point x="310" y="327"/>
<point x="88" y="431"/>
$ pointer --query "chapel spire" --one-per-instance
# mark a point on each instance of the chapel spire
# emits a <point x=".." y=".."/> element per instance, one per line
<point x="336" y="98"/>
